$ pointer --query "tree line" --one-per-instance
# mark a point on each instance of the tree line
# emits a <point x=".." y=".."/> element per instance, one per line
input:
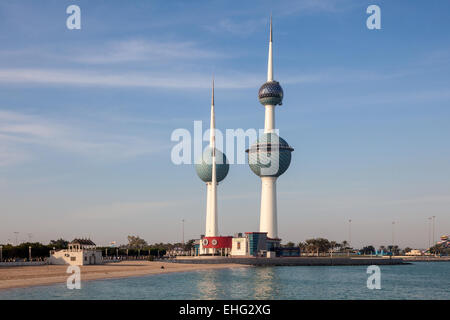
<point x="136" y="246"/>
<point x="318" y="246"/>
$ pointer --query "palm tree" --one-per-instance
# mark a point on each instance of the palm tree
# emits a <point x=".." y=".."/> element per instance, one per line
<point x="344" y="244"/>
<point x="311" y="244"/>
<point x="333" y="245"/>
<point x="302" y="246"/>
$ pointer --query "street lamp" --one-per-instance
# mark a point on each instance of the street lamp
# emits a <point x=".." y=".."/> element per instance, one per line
<point x="434" y="238"/>
<point x="16" y="234"/>
<point x="429" y="232"/>
<point x="29" y="253"/>
<point x="393" y="230"/>
<point x="349" y="235"/>
<point x="182" y="222"/>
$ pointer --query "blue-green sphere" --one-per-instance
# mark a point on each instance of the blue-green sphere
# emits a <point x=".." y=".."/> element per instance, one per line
<point x="270" y="156"/>
<point x="270" y="93"/>
<point x="204" y="166"/>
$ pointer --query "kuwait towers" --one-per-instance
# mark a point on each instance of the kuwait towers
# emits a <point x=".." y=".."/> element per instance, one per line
<point x="212" y="168"/>
<point x="270" y="156"/>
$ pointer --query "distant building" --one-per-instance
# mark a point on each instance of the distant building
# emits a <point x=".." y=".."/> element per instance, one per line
<point x="177" y="251"/>
<point x="257" y="244"/>
<point x="80" y="252"/>
<point x="444" y="241"/>
<point x="414" y="252"/>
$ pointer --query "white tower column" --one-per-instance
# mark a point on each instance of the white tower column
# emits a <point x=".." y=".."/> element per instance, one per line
<point x="211" y="211"/>
<point x="212" y="228"/>
<point x="269" y="122"/>
<point x="268" y="213"/>
<point x="268" y="217"/>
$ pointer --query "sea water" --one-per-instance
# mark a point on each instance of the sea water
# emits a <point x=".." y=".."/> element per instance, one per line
<point x="420" y="280"/>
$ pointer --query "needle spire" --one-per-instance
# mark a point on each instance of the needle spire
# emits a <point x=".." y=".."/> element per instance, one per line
<point x="270" y="62"/>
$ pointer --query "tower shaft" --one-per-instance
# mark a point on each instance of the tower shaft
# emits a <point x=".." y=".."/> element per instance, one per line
<point x="268" y="211"/>
<point x="268" y="215"/>
<point x="270" y="58"/>
<point x="269" y="124"/>
<point x="269" y="120"/>
<point x="211" y="205"/>
<point x="211" y="211"/>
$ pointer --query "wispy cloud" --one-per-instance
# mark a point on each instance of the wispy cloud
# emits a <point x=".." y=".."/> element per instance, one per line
<point x="226" y="79"/>
<point x="244" y="23"/>
<point x="127" y="52"/>
<point x="19" y="132"/>
<point x="136" y="50"/>
<point x="10" y="155"/>
<point x="240" y="27"/>
<point x="58" y="77"/>
<point x="295" y="7"/>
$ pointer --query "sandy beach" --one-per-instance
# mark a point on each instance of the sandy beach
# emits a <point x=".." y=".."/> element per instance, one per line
<point x="27" y="276"/>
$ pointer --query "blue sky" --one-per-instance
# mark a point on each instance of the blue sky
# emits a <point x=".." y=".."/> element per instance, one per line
<point x="86" y="117"/>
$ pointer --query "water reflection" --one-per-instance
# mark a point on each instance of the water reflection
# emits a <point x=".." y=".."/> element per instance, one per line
<point x="208" y="284"/>
<point x="266" y="283"/>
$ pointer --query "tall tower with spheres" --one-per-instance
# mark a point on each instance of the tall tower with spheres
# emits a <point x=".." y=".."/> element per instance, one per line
<point x="270" y="156"/>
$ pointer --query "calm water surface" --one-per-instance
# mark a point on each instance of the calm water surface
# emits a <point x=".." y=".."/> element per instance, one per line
<point x="424" y="280"/>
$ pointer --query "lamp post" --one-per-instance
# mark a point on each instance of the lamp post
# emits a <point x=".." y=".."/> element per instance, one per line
<point x="349" y="235"/>
<point x="182" y="237"/>
<point x="429" y="232"/>
<point x="393" y="233"/>
<point x="29" y="253"/>
<point x="434" y="239"/>
<point x="393" y="237"/>
<point x="16" y="234"/>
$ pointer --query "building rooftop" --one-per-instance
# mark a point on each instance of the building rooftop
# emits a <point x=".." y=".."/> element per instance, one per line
<point x="86" y="242"/>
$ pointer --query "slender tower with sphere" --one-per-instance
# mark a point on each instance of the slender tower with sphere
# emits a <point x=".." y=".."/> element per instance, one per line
<point x="212" y="168"/>
<point x="270" y="156"/>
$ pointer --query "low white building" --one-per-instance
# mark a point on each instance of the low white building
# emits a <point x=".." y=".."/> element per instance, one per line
<point x="80" y="252"/>
<point x="414" y="252"/>
<point x="239" y="246"/>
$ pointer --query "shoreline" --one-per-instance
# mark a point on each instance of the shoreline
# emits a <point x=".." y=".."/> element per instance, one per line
<point x="295" y="261"/>
<point x="32" y="276"/>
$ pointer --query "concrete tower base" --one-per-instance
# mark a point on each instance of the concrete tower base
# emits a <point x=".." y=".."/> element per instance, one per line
<point x="268" y="217"/>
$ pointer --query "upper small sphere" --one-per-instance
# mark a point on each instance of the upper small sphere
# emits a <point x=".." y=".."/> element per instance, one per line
<point x="269" y="156"/>
<point x="204" y="166"/>
<point x="270" y="93"/>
